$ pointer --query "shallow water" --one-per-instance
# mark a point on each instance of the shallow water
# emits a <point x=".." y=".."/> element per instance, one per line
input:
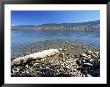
<point x="19" y="38"/>
<point x="23" y="42"/>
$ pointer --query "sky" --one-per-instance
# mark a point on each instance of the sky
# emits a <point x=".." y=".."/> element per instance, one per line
<point x="44" y="17"/>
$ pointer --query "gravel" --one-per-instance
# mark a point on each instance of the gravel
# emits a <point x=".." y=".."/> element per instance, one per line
<point x="74" y="60"/>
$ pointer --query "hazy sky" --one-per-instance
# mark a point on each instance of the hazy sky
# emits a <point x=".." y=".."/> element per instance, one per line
<point x="43" y="17"/>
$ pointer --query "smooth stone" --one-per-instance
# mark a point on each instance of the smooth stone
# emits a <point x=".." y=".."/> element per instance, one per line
<point x="83" y="61"/>
<point x="72" y="47"/>
<point x="26" y="66"/>
<point x="84" y="55"/>
<point x="89" y="52"/>
<point x="60" y="49"/>
<point x="91" y="60"/>
<point x="89" y="56"/>
<point x="27" y="71"/>
<point x="97" y="53"/>
<point x="88" y="75"/>
<point x="72" y="56"/>
<point x="67" y="66"/>
<point x="88" y="64"/>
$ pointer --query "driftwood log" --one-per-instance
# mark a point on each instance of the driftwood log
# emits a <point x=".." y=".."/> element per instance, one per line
<point x="34" y="56"/>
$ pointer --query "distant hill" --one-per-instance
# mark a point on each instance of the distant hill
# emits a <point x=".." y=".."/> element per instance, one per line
<point x="84" y="26"/>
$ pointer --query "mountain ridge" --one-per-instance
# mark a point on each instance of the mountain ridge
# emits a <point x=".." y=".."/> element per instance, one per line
<point x="82" y="26"/>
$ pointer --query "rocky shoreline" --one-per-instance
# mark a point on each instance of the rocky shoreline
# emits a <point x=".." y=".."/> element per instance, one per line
<point x="73" y="60"/>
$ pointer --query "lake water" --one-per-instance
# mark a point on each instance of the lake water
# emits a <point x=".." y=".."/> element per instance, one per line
<point x="21" y="41"/>
<point x="20" y="38"/>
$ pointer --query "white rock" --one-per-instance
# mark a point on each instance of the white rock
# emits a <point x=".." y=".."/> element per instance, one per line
<point x="84" y="55"/>
<point x="89" y="56"/>
<point x="67" y="66"/>
<point x="47" y="67"/>
<point x="97" y="53"/>
<point x="27" y="71"/>
<point x="26" y="66"/>
<point x="88" y="75"/>
<point x="72" y="47"/>
<point x="84" y="61"/>
<point x="89" y="52"/>
<point x="89" y="64"/>
<point x="60" y="49"/>
<point x="91" y="60"/>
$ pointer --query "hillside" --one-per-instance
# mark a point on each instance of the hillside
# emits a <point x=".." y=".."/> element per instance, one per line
<point x="84" y="26"/>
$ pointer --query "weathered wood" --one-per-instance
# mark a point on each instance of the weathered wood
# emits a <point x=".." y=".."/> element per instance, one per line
<point x="42" y="54"/>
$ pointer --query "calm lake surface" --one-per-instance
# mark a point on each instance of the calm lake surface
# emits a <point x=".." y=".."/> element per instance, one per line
<point x="19" y="38"/>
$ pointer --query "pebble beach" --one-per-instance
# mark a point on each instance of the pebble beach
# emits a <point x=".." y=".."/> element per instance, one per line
<point x="73" y="60"/>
